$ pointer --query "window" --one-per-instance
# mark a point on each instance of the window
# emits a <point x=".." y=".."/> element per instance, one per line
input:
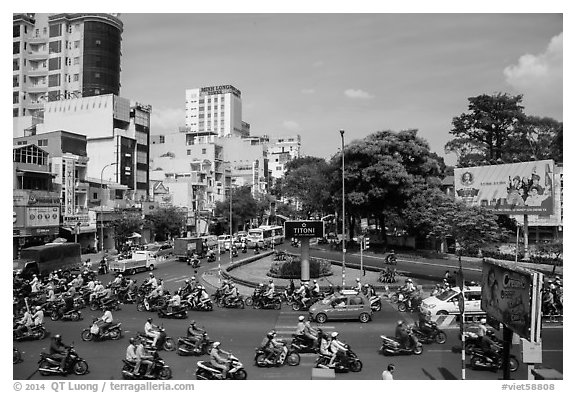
<point x="215" y="99"/>
<point x="161" y="138"/>
<point x="15" y="81"/>
<point x="201" y="109"/>
<point x="54" y="80"/>
<point x="16" y="97"/>
<point x="16" y="31"/>
<point x="16" y="47"/>
<point x="44" y="30"/>
<point x="56" y="30"/>
<point x="95" y="195"/>
<point x="188" y="152"/>
<point x="221" y="106"/>
<point x="222" y="114"/>
<point x="15" y="112"/>
<point x="76" y="77"/>
<point x="54" y="63"/>
<point x="76" y="60"/>
<point x="98" y="42"/>
<point x="201" y="101"/>
<point x="55" y="47"/>
<point x="16" y="65"/>
<point x="42" y="142"/>
<point x="203" y="151"/>
<point x="96" y="75"/>
<point x="77" y="44"/>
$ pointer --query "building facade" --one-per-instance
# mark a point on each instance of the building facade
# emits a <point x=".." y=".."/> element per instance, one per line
<point x="61" y="56"/>
<point x="281" y="150"/>
<point x="216" y="109"/>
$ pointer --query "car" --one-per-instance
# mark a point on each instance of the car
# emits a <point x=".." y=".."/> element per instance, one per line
<point x="224" y="242"/>
<point x="447" y="302"/>
<point x="160" y="250"/>
<point x="343" y="305"/>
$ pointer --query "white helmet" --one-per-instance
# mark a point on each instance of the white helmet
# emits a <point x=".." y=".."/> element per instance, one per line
<point x="301" y="318"/>
<point x="334" y="334"/>
<point x="216" y="344"/>
<point x="357" y="280"/>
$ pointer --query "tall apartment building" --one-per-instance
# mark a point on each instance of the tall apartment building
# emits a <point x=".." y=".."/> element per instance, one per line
<point x="61" y="56"/>
<point x="216" y="109"/>
<point x="281" y="150"/>
<point x="117" y="131"/>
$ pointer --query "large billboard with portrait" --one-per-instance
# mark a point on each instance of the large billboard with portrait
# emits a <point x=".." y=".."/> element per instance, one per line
<point x="511" y="295"/>
<point x="518" y="188"/>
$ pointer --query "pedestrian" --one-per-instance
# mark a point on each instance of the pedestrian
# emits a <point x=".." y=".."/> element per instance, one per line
<point x="387" y="374"/>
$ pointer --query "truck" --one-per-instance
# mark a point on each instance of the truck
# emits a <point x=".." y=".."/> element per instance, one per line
<point x="185" y="247"/>
<point x="140" y="261"/>
<point x="42" y="260"/>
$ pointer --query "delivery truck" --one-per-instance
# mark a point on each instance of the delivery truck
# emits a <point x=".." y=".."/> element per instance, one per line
<point x="140" y="261"/>
<point x="186" y="247"/>
<point x="42" y="260"/>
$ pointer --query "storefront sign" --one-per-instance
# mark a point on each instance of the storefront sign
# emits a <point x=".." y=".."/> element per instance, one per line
<point x="304" y="229"/>
<point x="42" y="217"/>
<point x="69" y="181"/>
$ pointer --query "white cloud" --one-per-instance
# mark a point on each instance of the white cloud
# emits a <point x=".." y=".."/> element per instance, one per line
<point x="164" y="119"/>
<point x="308" y="91"/>
<point x="538" y="71"/>
<point x="290" y="125"/>
<point x="360" y="94"/>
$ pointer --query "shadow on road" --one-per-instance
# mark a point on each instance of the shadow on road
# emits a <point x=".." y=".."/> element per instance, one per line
<point x="448" y="376"/>
<point x="428" y="374"/>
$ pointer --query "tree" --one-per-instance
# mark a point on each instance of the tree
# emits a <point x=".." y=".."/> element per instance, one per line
<point x="382" y="171"/>
<point x="167" y="223"/>
<point x="244" y="207"/>
<point x="485" y="130"/>
<point x="535" y="138"/>
<point x="307" y="180"/>
<point x="125" y="226"/>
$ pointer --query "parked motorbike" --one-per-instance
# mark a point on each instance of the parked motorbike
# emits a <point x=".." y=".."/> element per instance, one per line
<point x="176" y="312"/>
<point x="160" y="370"/>
<point x="47" y="365"/>
<point x="287" y="356"/>
<point x="349" y="363"/>
<point x="37" y="332"/>
<point x="434" y="336"/>
<point x="164" y="342"/>
<point x="70" y="315"/>
<point x="391" y="346"/>
<point x="481" y="361"/>
<point x="186" y="347"/>
<point x="238" y="302"/>
<point x="205" y="370"/>
<point x="301" y="344"/>
<point x="93" y="333"/>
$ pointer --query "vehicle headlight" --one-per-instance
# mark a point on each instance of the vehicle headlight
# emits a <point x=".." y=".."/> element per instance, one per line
<point x="429" y="305"/>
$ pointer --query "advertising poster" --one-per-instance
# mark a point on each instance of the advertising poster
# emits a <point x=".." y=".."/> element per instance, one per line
<point x="43" y="217"/>
<point x="510" y="295"/>
<point x="519" y="188"/>
<point x="69" y="184"/>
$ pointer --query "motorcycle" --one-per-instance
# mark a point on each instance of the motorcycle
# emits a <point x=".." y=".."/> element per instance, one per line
<point x="435" y="335"/>
<point x="205" y="370"/>
<point x="287" y="356"/>
<point x="160" y="370"/>
<point x="265" y="303"/>
<point x="481" y="361"/>
<point x="234" y="253"/>
<point x="155" y="305"/>
<point x="176" y="312"/>
<point x="391" y="346"/>
<point x="237" y="302"/>
<point x="186" y="347"/>
<point x="349" y="363"/>
<point x="192" y="304"/>
<point x="16" y="356"/>
<point x="391" y="259"/>
<point x="47" y="365"/>
<point x="70" y="315"/>
<point x="164" y="342"/>
<point x="102" y="268"/>
<point x="409" y="304"/>
<point x="244" y="249"/>
<point x="37" y="332"/>
<point x="94" y="332"/>
<point x="194" y="262"/>
<point x="211" y="258"/>
<point x="375" y="303"/>
<point x="256" y="250"/>
<point x="99" y="303"/>
<point x="298" y="306"/>
<point x="295" y="243"/>
<point x="302" y="344"/>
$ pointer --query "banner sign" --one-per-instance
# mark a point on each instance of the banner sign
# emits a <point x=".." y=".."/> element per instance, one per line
<point x="69" y="184"/>
<point x="519" y="188"/>
<point x="303" y="229"/>
<point x="511" y="296"/>
<point x="42" y="217"/>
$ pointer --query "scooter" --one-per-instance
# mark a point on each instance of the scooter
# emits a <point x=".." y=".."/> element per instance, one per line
<point x="176" y="312"/>
<point x="156" y="305"/>
<point x="70" y="315"/>
<point x="434" y="336"/>
<point x="238" y="302"/>
<point x="94" y="332"/>
<point x="302" y="344"/>
<point x="391" y="346"/>
<point x="350" y="362"/>
<point x="73" y="364"/>
<point x="16" y="356"/>
<point x="287" y="356"/>
<point x="192" y="304"/>
<point x="262" y="302"/>
<point x="194" y="262"/>
<point x="391" y="259"/>
<point x="160" y="370"/>
<point x="37" y="332"/>
<point x="481" y="361"/>
<point x="375" y="303"/>
<point x="100" y="303"/>
<point x="211" y="258"/>
<point x="164" y="342"/>
<point x="205" y="370"/>
<point x="187" y="348"/>
<point x="410" y="305"/>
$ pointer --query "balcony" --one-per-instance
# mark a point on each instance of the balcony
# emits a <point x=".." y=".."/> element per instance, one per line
<point x="37" y="71"/>
<point x="33" y="104"/>
<point x="37" y="55"/>
<point x="36" y="88"/>
<point x="37" y="39"/>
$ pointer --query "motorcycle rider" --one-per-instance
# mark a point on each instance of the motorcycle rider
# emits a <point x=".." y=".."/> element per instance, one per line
<point x="35" y="284"/>
<point x="59" y="351"/>
<point x="105" y="321"/>
<point x="410" y="291"/>
<point x="210" y="254"/>
<point x="323" y="343"/>
<point x="143" y="357"/>
<point x="370" y="292"/>
<point x="174" y="302"/>
<point x="231" y="295"/>
<point x="338" y="349"/>
<point x="270" y="290"/>
<point x="424" y="324"/>
<point x="302" y="292"/>
<point x="402" y="334"/>
<point x="358" y="286"/>
<point x="97" y="292"/>
<point x="38" y="316"/>
<point x="272" y="347"/>
<point x="155" y="293"/>
<point x="218" y="361"/>
<point x="301" y="328"/>
<point x="151" y="283"/>
<point x="131" y="354"/>
<point x="151" y="331"/>
<point x="194" y="334"/>
<point x="310" y="334"/>
<point x="315" y="291"/>
<point x="25" y="322"/>
<point x="186" y="289"/>
<point x="203" y="297"/>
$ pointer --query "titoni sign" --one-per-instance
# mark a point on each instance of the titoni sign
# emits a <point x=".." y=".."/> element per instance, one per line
<point x="304" y="229"/>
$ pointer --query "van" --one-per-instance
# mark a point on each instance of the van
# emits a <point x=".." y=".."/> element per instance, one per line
<point x="447" y="302"/>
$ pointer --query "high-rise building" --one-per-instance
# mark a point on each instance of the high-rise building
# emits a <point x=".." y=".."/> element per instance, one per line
<point x="216" y="109"/>
<point x="281" y="150"/>
<point x="61" y="56"/>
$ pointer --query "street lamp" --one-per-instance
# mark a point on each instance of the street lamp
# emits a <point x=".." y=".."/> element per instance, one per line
<point x="343" y="218"/>
<point x="102" y="203"/>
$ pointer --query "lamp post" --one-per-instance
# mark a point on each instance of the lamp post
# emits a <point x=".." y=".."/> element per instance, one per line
<point x="102" y="203"/>
<point x="230" y="221"/>
<point x="343" y="218"/>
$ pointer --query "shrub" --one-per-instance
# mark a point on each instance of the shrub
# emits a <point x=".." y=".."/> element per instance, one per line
<point x="291" y="268"/>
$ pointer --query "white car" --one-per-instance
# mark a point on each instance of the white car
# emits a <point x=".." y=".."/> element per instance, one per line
<point x="224" y="242"/>
<point x="447" y="302"/>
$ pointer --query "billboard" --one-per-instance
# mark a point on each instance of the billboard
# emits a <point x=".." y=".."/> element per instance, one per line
<point x="43" y="216"/>
<point x="511" y="295"/>
<point x="303" y="229"/>
<point x="519" y="188"/>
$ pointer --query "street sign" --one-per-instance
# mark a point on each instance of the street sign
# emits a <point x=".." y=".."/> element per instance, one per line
<point x="307" y="228"/>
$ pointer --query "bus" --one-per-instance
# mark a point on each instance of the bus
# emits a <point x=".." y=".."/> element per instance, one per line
<point x="265" y="236"/>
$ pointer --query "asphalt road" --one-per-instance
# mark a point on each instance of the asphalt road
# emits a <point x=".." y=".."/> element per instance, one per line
<point x="241" y="331"/>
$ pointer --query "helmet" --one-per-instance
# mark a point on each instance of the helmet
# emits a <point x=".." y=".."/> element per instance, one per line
<point x="216" y="344"/>
<point x="187" y="281"/>
<point x="260" y="285"/>
<point x="490" y="332"/>
<point x="38" y="308"/>
<point x="315" y="282"/>
<point x="270" y="280"/>
<point x="334" y="334"/>
<point x="357" y="280"/>
<point x="270" y="335"/>
<point x="57" y="337"/>
<point x="301" y="318"/>
<point x="151" y="274"/>
<point x="149" y="319"/>
<point x="483" y="321"/>
<point x="409" y="280"/>
<point x="120" y="275"/>
<point x="193" y="278"/>
<point x="400" y="323"/>
<point x="366" y="285"/>
<point x="132" y="340"/>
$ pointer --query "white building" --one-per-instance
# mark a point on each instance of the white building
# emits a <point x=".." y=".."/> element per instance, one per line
<point x="281" y="150"/>
<point x="216" y="109"/>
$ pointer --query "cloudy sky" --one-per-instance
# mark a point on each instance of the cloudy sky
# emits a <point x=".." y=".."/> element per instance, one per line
<point x="315" y="74"/>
